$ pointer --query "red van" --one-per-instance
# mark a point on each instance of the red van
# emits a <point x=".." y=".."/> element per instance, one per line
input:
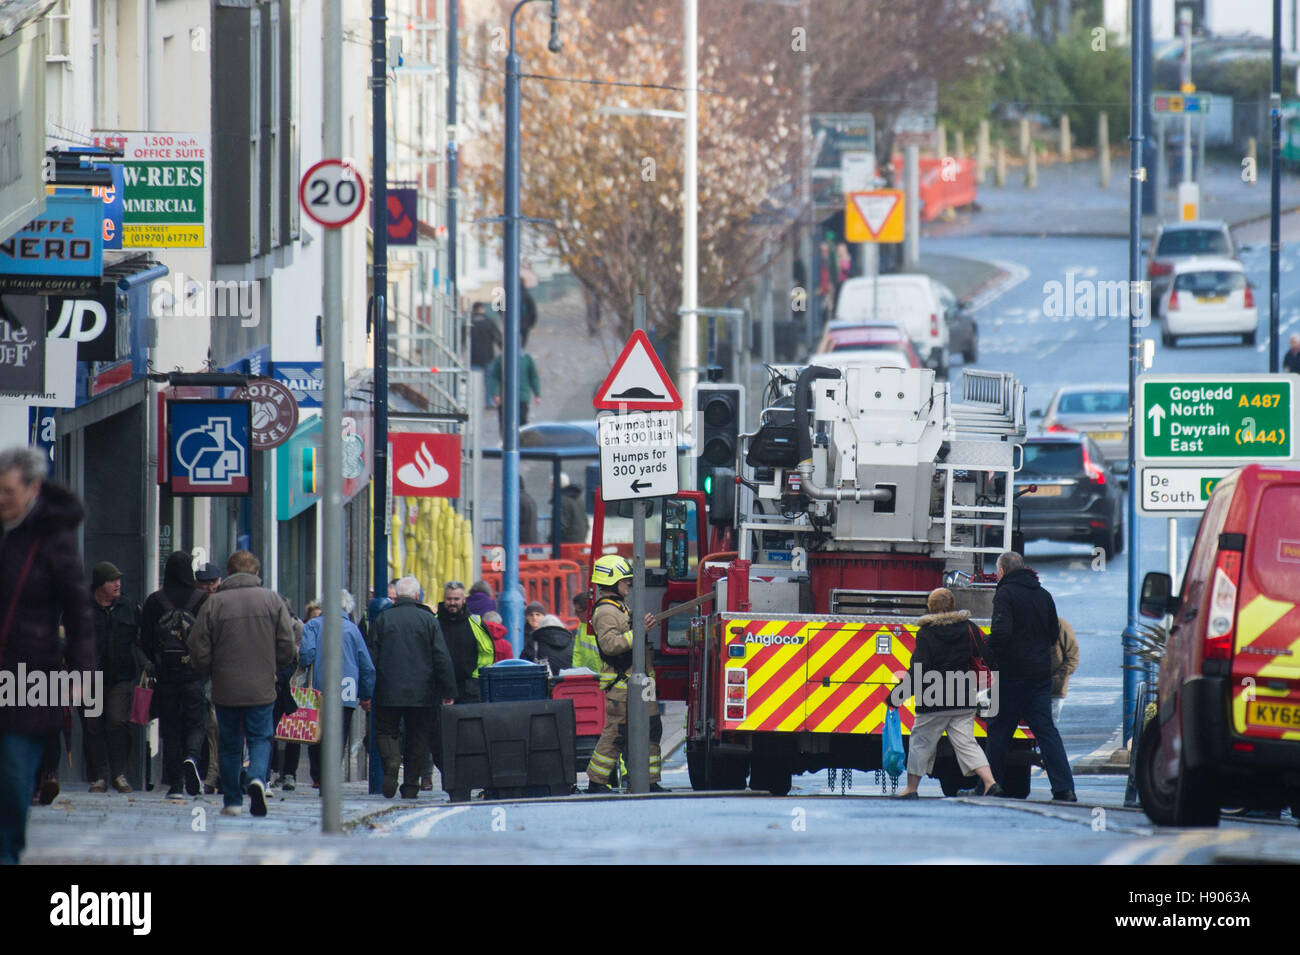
<point x="1227" y="726"/>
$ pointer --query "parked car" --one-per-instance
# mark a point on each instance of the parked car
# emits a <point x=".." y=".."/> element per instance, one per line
<point x="1226" y="731"/>
<point x="1099" y="411"/>
<point x="963" y="333"/>
<point x="1072" y="500"/>
<point x="1176" y="241"/>
<point x="868" y="358"/>
<point x="843" y="331"/>
<point x="1209" y="296"/>
<point x="870" y="338"/>
<point x="909" y="301"/>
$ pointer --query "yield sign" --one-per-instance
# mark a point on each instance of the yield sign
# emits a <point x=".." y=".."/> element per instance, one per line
<point x="637" y="382"/>
<point x="875" y="216"/>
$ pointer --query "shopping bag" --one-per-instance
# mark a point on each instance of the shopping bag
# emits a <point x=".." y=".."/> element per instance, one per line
<point x="894" y="759"/>
<point x="303" y="725"/>
<point x="141" y="702"/>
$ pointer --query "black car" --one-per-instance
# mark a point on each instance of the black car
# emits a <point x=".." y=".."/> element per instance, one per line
<point x="1074" y="498"/>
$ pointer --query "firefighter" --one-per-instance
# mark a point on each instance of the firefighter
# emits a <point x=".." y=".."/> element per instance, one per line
<point x="612" y="623"/>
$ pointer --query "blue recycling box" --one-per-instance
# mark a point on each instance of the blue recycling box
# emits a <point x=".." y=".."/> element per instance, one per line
<point x="511" y="681"/>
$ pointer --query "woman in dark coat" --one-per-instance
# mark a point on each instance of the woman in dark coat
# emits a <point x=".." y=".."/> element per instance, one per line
<point x="550" y="644"/>
<point x="944" y="686"/>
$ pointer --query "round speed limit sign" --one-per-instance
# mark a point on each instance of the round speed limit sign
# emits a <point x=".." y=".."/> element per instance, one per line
<point x="332" y="193"/>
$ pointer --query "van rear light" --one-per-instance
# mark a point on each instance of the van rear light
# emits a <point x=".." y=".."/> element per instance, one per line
<point x="1173" y="300"/>
<point x="1222" y="624"/>
<point x="1250" y="297"/>
<point x="934" y="325"/>
<point x="1094" y="471"/>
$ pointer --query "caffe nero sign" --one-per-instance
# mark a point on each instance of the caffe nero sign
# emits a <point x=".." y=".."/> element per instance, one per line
<point x="60" y="251"/>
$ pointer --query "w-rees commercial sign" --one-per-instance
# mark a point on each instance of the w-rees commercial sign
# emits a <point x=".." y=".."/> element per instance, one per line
<point x="165" y="178"/>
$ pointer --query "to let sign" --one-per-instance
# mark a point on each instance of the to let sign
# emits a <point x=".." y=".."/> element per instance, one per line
<point x="638" y="455"/>
<point x="1202" y="418"/>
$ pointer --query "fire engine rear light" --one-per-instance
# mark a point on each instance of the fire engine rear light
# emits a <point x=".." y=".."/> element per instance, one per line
<point x="1223" y="606"/>
<point x="1244" y="747"/>
<point x="736" y="712"/>
<point x="737" y="675"/>
<point x="735" y="694"/>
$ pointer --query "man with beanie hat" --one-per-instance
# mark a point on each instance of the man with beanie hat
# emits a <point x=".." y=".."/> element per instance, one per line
<point x="117" y="647"/>
<point x="165" y="623"/>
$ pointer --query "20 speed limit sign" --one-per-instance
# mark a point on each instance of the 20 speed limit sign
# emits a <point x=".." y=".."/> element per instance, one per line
<point x="332" y="193"/>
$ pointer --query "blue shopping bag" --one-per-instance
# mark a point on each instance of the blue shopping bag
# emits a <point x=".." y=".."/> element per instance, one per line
<point x="894" y="758"/>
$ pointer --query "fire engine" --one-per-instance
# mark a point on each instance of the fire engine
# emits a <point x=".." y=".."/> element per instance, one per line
<point x="860" y="490"/>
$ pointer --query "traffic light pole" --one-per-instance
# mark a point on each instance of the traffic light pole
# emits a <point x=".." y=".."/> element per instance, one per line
<point x="638" y="706"/>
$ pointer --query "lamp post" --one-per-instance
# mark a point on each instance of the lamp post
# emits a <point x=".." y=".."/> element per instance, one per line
<point x="512" y="603"/>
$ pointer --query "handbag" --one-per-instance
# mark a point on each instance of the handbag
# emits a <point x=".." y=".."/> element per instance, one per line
<point x="983" y="673"/>
<point x="303" y="725"/>
<point x="141" y="701"/>
<point x="893" y="756"/>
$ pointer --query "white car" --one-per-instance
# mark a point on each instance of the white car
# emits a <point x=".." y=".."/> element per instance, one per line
<point x="864" y="358"/>
<point x="1209" y="296"/>
<point x="910" y="301"/>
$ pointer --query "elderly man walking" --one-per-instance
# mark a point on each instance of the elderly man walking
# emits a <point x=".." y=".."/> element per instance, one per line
<point x="42" y="583"/>
<point x="243" y="634"/>
<point x="1025" y="627"/>
<point x="413" y="673"/>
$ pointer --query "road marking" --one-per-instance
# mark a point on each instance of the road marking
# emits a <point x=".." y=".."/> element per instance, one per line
<point x="1085" y="698"/>
<point x="424" y="826"/>
<point x="1189" y="842"/>
<point x="1106" y="681"/>
<point x="1015" y="275"/>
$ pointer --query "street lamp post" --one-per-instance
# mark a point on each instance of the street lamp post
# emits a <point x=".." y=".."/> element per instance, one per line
<point x="512" y="603"/>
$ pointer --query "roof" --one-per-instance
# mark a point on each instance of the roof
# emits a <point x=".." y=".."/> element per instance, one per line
<point x="15" y="14"/>
<point x="867" y="335"/>
<point x="1207" y="263"/>
<point x="1194" y="224"/>
<point x="1099" y="386"/>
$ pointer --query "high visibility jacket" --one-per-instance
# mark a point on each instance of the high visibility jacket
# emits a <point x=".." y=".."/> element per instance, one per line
<point x="585" y="652"/>
<point x="486" y="652"/>
<point x="613" y="625"/>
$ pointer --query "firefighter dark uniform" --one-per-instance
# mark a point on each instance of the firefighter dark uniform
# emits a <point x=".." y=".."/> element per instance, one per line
<point x="612" y="623"/>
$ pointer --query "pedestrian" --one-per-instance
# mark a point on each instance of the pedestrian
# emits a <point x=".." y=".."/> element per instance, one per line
<point x="208" y="579"/>
<point x="612" y="622"/>
<point x="574" y="526"/>
<point x="310" y="612"/>
<point x="414" y="672"/>
<point x="944" y="686"/>
<point x="1291" y="360"/>
<point x="480" y="599"/>
<point x="550" y="645"/>
<point x="496" y="628"/>
<point x="1025" y="626"/>
<point x="534" y="611"/>
<point x="285" y="754"/>
<point x="117" y="646"/>
<point x="484" y="336"/>
<point x="585" y="652"/>
<point x="1065" y="660"/>
<point x="358" y="682"/>
<point x="165" y="624"/>
<point x="527" y="313"/>
<point x="466" y="639"/>
<point x="527" y="516"/>
<point x="42" y="583"/>
<point x="243" y="634"/>
<point x="530" y="388"/>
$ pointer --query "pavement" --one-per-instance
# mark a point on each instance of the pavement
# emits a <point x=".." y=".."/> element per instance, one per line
<point x="1070" y="201"/>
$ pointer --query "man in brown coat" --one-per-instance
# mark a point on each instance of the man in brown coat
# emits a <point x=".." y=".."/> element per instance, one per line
<point x="242" y="635"/>
<point x="1065" y="660"/>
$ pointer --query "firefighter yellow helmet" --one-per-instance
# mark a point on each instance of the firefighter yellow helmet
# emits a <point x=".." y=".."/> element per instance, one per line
<point x="607" y="571"/>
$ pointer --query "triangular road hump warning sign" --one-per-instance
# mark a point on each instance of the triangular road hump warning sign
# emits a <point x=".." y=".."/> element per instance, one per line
<point x="637" y="382"/>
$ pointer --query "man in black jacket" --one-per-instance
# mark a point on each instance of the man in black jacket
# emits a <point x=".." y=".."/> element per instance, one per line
<point x="42" y="583"/>
<point x="413" y="673"/>
<point x="117" y="645"/>
<point x="182" y="708"/>
<point x="1020" y="643"/>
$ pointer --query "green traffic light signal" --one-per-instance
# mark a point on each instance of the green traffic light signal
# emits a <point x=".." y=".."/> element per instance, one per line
<point x="708" y="483"/>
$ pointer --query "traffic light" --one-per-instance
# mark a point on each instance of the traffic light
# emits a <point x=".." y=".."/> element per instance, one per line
<point x="718" y="412"/>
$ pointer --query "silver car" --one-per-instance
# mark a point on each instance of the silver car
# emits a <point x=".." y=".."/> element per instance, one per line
<point x="1099" y="411"/>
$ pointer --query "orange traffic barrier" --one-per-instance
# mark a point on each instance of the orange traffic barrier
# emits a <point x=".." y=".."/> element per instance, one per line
<point x="946" y="183"/>
<point x="552" y="583"/>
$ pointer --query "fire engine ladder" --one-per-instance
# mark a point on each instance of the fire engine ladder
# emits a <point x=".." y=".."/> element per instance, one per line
<point x="992" y="410"/>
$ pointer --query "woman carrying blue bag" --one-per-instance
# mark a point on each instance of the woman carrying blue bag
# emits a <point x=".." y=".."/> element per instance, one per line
<point x="947" y="645"/>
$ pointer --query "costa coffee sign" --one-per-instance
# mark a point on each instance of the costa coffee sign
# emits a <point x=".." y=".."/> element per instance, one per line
<point x="274" y="411"/>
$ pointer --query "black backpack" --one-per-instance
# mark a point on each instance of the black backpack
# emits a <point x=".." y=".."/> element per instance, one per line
<point x="173" y="630"/>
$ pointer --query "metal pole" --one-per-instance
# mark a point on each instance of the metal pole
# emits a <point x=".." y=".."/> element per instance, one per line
<point x="332" y="415"/>
<point x="512" y="600"/>
<point x="1275" y="195"/>
<point x="1155" y="174"/>
<point x="688" y="374"/>
<point x="476" y="462"/>
<point x="379" y="285"/>
<point x="912" y="210"/>
<point x="1185" y="27"/>
<point x="453" y="67"/>
<point x="1172" y="544"/>
<point x="1137" y="114"/>
<point x="638" y="710"/>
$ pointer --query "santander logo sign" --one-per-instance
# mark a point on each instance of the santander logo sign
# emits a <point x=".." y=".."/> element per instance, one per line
<point x="425" y="465"/>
